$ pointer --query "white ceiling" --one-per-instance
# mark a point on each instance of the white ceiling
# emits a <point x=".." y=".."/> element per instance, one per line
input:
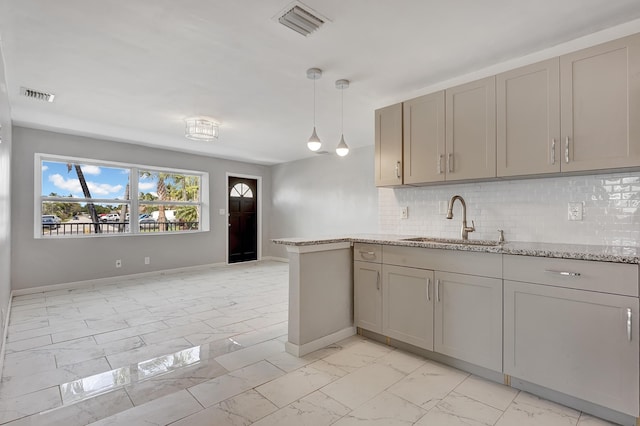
<point x="132" y="71"/>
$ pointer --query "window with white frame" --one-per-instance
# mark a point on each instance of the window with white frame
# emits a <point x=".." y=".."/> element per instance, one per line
<point x="80" y="197"/>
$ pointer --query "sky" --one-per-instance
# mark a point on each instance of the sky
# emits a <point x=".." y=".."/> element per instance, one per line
<point x="103" y="182"/>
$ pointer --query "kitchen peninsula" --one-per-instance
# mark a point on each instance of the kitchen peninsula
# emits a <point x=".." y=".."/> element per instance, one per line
<point x="557" y="320"/>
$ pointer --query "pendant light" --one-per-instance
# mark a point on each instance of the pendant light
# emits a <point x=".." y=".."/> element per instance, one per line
<point x="314" y="143"/>
<point x="342" y="149"/>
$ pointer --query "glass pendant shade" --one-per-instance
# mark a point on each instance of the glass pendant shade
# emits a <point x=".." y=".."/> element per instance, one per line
<point x="314" y="143"/>
<point x="342" y="149"/>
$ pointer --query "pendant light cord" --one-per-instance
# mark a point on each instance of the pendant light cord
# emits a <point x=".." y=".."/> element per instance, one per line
<point x="314" y="103"/>
<point x="342" y="111"/>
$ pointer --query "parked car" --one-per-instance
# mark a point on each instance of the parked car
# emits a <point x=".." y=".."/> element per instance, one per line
<point x="50" y="221"/>
<point x="148" y="223"/>
<point x="111" y="217"/>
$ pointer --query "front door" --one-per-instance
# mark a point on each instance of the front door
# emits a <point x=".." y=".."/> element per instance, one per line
<point x="243" y="219"/>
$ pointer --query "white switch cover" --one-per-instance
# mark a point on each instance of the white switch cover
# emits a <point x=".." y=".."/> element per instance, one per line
<point x="222" y="212"/>
<point x="575" y="211"/>
<point x="404" y="213"/>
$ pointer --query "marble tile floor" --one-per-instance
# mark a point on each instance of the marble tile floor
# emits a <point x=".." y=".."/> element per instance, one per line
<point x="207" y="348"/>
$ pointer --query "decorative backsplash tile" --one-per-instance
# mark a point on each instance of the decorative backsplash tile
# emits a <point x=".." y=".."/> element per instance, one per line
<point x="534" y="210"/>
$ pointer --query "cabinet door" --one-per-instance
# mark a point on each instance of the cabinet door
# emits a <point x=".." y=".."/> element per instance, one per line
<point x="367" y="283"/>
<point x="471" y="130"/>
<point x="528" y="119"/>
<point x="389" y="146"/>
<point x="600" y="104"/>
<point x="468" y="318"/>
<point x="424" y="150"/>
<point x="573" y="341"/>
<point x="407" y="305"/>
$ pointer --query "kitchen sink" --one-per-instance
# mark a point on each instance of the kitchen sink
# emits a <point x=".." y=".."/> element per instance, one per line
<point x="485" y="243"/>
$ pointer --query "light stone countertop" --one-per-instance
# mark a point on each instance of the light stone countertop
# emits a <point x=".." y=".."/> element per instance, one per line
<point x="617" y="254"/>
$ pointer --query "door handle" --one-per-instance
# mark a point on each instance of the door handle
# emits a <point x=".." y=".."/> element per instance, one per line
<point x="629" y="324"/>
<point x="428" y="287"/>
<point x="437" y="290"/>
<point x="566" y="150"/>
<point x="564" y="273"/>
<point x="398" y="169"/>
<point x="450" y="162"/>
<point x="440" y="164"/>
<point x="553" y="151"/>
<point x="378" y="281"/>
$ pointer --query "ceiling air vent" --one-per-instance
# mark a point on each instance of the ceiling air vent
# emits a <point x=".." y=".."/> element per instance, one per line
<point x="300" y="20"/>
<point x="34" y="94"/>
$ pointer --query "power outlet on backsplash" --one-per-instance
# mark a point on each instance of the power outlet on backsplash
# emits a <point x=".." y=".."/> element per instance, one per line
<point x="404" y="212"/>
<point x="574" y="211"/>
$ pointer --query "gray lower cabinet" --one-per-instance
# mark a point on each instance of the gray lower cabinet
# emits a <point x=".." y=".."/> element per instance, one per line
<point x="407" y="305"/>
<point x="367" y="280"/>
<point x="582" y="343"/>
<point x="468" y="318"/>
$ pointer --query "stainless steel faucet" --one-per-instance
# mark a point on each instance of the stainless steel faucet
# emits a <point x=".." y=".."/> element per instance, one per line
<point x="465" y="229"/>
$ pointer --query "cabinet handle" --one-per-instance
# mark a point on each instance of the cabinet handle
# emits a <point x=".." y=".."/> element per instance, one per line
<point x="450" y="162"/>
<point x="566" y="150"/>
<point x="437" y="290"/>
<point x="629" y="324"/>
<point x="428" y="287"/>
<point x="440" y="164"/>
<point x="378" y="281"/>
<point x="553" y="151"/>
<point x="398" y="169"/>
<point x="563" y="273"/>
<point x="367" y="253"/>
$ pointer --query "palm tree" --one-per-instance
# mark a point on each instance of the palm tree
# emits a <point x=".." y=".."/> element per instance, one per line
<point x="161" y="189"/>
<point x="87" y="194"/>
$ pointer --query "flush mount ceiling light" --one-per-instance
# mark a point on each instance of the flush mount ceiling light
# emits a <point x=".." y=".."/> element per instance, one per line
<point x="201" y="129"/>
<point x="314" y="143"/>
<point x="35" y="94"/>
<point x="342" y="149"/>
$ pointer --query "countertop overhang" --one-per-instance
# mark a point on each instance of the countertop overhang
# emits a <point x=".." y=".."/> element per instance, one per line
<point x="600" y="253"/>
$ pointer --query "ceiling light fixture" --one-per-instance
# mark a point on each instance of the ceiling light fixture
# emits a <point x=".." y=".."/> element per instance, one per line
<point x="342" y="149"/>
<point x="314" y="143"/>
<point x="201" y="129"/>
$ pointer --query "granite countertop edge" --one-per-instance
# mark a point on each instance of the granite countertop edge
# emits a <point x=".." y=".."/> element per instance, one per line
<point x="600" y="253"/>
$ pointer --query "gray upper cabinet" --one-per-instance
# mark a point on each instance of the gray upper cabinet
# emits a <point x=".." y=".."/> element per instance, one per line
<point x="600" y="98"/>
<point x="388" y="156"/>
<point x="424" y="143"/>
<point x="528" y="120"/>
<point x="468" y="318"/>
<point x="471" y="130"/>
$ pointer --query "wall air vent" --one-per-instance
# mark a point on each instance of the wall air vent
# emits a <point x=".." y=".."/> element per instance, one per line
<point x="300" y="20"/>
<point x="34" y="94"/>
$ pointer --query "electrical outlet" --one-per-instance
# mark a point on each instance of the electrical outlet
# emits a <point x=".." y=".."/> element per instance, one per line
<point x="574" y="211"/>
<point x="118" y="263"/>
<point x="404" y="213"/>
<point x="222" y="212"/>
<point x="147" y="260"/>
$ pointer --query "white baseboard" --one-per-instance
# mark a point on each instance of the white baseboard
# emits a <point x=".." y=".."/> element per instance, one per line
<point x="276" y="259"/>
<point x="5" y="332"/>
<point x="110" y="280"/>
<point x="307" y="348"/>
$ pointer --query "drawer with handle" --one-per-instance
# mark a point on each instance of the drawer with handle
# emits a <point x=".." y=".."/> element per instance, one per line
<point x="605" y="277"/>
<point x="367" y="252"/>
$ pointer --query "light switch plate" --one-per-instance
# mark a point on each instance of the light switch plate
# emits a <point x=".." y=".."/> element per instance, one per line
<point x="404" y="212"/>
<point x="574" y="211"/>
<point x="222" y="212"/>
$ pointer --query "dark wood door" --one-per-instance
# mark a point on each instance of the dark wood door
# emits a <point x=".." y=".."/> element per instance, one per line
<point x="243" y="219"/>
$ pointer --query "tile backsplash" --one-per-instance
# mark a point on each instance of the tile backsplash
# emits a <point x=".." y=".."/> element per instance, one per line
<point x="533" y="210"/>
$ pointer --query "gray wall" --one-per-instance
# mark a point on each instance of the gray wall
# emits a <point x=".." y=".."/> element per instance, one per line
<point x="38" y="262"/>
<point x="324" y="195"/>
<point x="5" y="198"/>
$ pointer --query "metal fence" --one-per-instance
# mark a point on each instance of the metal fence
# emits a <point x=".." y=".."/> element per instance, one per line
<point x="86" y="228"/>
